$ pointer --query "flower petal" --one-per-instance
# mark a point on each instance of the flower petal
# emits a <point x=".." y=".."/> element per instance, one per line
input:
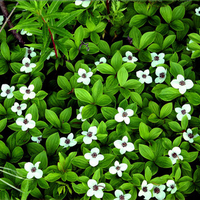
<point x="28" y="166"/>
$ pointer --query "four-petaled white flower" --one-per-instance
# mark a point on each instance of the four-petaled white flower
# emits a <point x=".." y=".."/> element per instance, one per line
<point x="18" y="108"/>
<point x="23" y="32"/>
<point x="129" y="57"/>
<point x="101" y="60"/>
<point x="124" y="145"/>
<point x="121" y="196"/>
<point x="157" y="59"/>
<point x="158" y="192"/>
<point x="188" y="136"/>
<point x="27" y="65"/>
<point x="182" y="84"/>
<point x="118" y="168"/>
<point x="84" y="3"/>
<point x="174" y="154"/>
<point x="33" y="170"/>
<point x="94" y="157"/>
<point x="124" y="115"/>
<point x="26" y="123"/>
<point x="186" y="108"/>
<point x="30" y="51"/>
<point x="7" y="91"/>
<point x="84" y="76"/>
<point x="68" y="142"/>
<point x="144" y="76"/>
<point x="79" y="116"/>
<point x="145" y="190"/>
<point x="27" y="92"/>
<point x="90" y="135"/>
<point x="36" y="139"/>
<point x="95" y="189"/>
<point x="161" y="73"/>
<point x="171" y="186"/>
<point x="197" y="11"/>
<point x="51" y="55"/>
<point x="1" y="19"/>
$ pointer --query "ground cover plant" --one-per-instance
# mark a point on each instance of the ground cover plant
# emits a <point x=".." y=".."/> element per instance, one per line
<point x="99" y="99"/>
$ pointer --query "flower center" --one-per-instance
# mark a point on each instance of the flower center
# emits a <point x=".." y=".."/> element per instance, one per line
<point x="101" y="62"/>
<point x="121" y="197"/>
<point x="174" y="155"/>
<point x="27" y="64"/>
<point x="124" y="144"/>
<point x="94" y="155"/>
<point x="7" y="91"/>
<point x="144" y="75"/>
<point x="156" y="58"/>
<point x="183" y="112"/>
<point x="157" y="190"/>
<point x="33" y="169"/>
<point x="83" y="75"/>
<point x="95" y="187"/>
<point x="124" y="114"/>
<point x="172" y="186"/>
<point x="190" y="135"/>
<point x="118" y="168"/>
<point x="144" y="189"/>
<point x="130" y="57"/>
<point x="40" y="138"/>
<point x="89" y="134"/>
<point x="25" y="121"/>
<point x="29" y="51"/>
<point x="18" y="108"/>
<point x="67" y="141"/>
<point x="28" y="91"/>
<point x="182" y="83"/>
<point x="162" y="75"/>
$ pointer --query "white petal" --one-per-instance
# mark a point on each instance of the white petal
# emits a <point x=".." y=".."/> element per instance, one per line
<point x="179" y="116"/>
<point x="91" y="183"/>
<point x="29" y="175"/>
<point x="189" y="84"/>
<point x="175" y="84"/>
<point x="81" y="72"/>
<point x="125" y="59"/>
<point x="139" y="73"/>
<point x="187" y="107"/>
<point x="178" y="110"/>
<point x="100" y="157"/>
<point x="31" y="87"/>
<point x="31" y="124"/>
<point x="177" y="150"/>
<point x="153" y="55"/>
<point x="23" y="89"/>
<point x="122" y="151"/>
<point x="90" y="192"/>
<point x="26" y="60"/>
<point x="38" y="174"/>
<point x="144" y="183"/>
<point x="148" y="79"/>
<point x="62" y="141"/>
<point x="28" y="117"/>
<point x="130" y="147"/>
<point x="87" y="140"/>
<point x="161" y="55"/>
<point x="127" y="120"/>
<point x="94" y="162"/>
<point x="125" y="139"/>
<point x="123" y="166"/>
<point x="85" y="4"/>
<point x="32" y="95"/>
<point x="118" y="144"/>
<point x="86" y="81"/>
<point x="72" y="143"/>
<point x="103" y="59"/>
<point x="88" y="156"/>
<point x="93" y="129"/>
<point x="28" y="166"/>
<point x="180" y="78"/>
<point x="118" y="193"/>
<point x="70" y="136"/>
<point x="112" y="170"/>
<point x="89" y="74"/>
<point x="5" y="87"/>
<point x="23" y="106"/>
<point x="19" y="121"/>
<point x="118" y="117"/>
<point x="182" y="89"/>
<point x="129" y="112"/>
<point x="119" y="173"/>
<point x="95" y="150"/>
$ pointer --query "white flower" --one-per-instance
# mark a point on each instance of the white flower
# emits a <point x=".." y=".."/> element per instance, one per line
<point x="94" y="157"/>
<point x="186" y="108"/>
<point x="27" y="65"/>
<point x="161" y="73"/>
<point x="30" y="51"/>
<point x="90" y="135"/>
<point x="144" y="76"/>
<point x="1" y="19"/>
<point x="23" y="32"/>
<point x="101" y="60"/>
<point x="84" y="3"/>
<point x="197" y="11"/>
<point x="18" y="108"/>
<point x="145" y="190"/>
<point x="84" y="76"/>
<point x="124" y="115"/>
<point x="95" y="189"/>
<point x="28" y="92"/>
<point x="51" y="55"/>
<point x="191" y="41"/>
<point x="182" y="84"/>
<point x="157" y="59"/>
<point x="68" y="142"/>
<point x="118" y="168"/>
<point x="79" y="116"/>
<point x="33" y="170"/>
<point x="174" y="154"/>
<point x="120" y="195"/>
<point x="7" y="91"/>
<point x="124" y="145"/>
<point x="37" y="139"/>
<point x="171" y="186"/>
<point x="158" y="192"/>
<point x="129" y="57"/>
<point x="26" y="123"/>
<point x="188" y="136"/>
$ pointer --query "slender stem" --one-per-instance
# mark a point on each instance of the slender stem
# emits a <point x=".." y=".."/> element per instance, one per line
<point x="10" y="185"/>
<point x="11" y="174"/>
<point x="107" y="5"/>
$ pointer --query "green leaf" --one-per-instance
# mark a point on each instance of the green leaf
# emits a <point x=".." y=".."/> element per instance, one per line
<point x="52" y="143"/>
<point x="138" y="20"/>
<point x="144" y="131"/>
<point x="193" y="98"/>
<point x="184" y="122"/>
<point x="80" y="188"/>
<point x="103" y="100"/>
<point x="178" y="12"/>
<point x="88" y="111"/>
<point x="146" y="152"/>
<point x="3" y="124"/>
<point x="177" y="25"/>
<point x="106" y="69"/>
<point x="17" y="155"/>
<point x="136" y="98"/>
<point x="96" y="176"/>
<point x="176" y="69"/>
<point x="147" y="39"/>
<point x="80" y="161"/>
<point x="169" y="93"/>
<point x="166" y="110"/>
<point x="135" y="34"/>
<point x="148" y="174"/>
<point x="52" y="118"/>
<point x="108" y="158"/>
<point x="168" y="41"/>
<point x="71" y="176"/>
<point x="122" y="76"/>
<point x="108" y="112"/>
<point x="104" y="47"/>
<point x="154" y="133"/>
<point x="132" y="84"/>
<point x="52" y="177"/>
<point x="5" y="50"/>
<point x="97" y="89"/>
<point x="83" y="95"/>
<point x="116" y="61"/>
<point x="194" y="37"/>
<point x="166" y="13"/>
<point x="65" y="115"/>
<point x="78" y="35"/>
<point x="175" y="126"/>
<point x="164" y="162"/>
<point x="33" y="110"/>
<point x="37" y="82"/>
<point x="64" y="83"/>
<point x="42" y="158"/>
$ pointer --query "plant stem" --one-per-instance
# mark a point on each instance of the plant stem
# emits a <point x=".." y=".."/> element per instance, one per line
<point x="107" y="5"/>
